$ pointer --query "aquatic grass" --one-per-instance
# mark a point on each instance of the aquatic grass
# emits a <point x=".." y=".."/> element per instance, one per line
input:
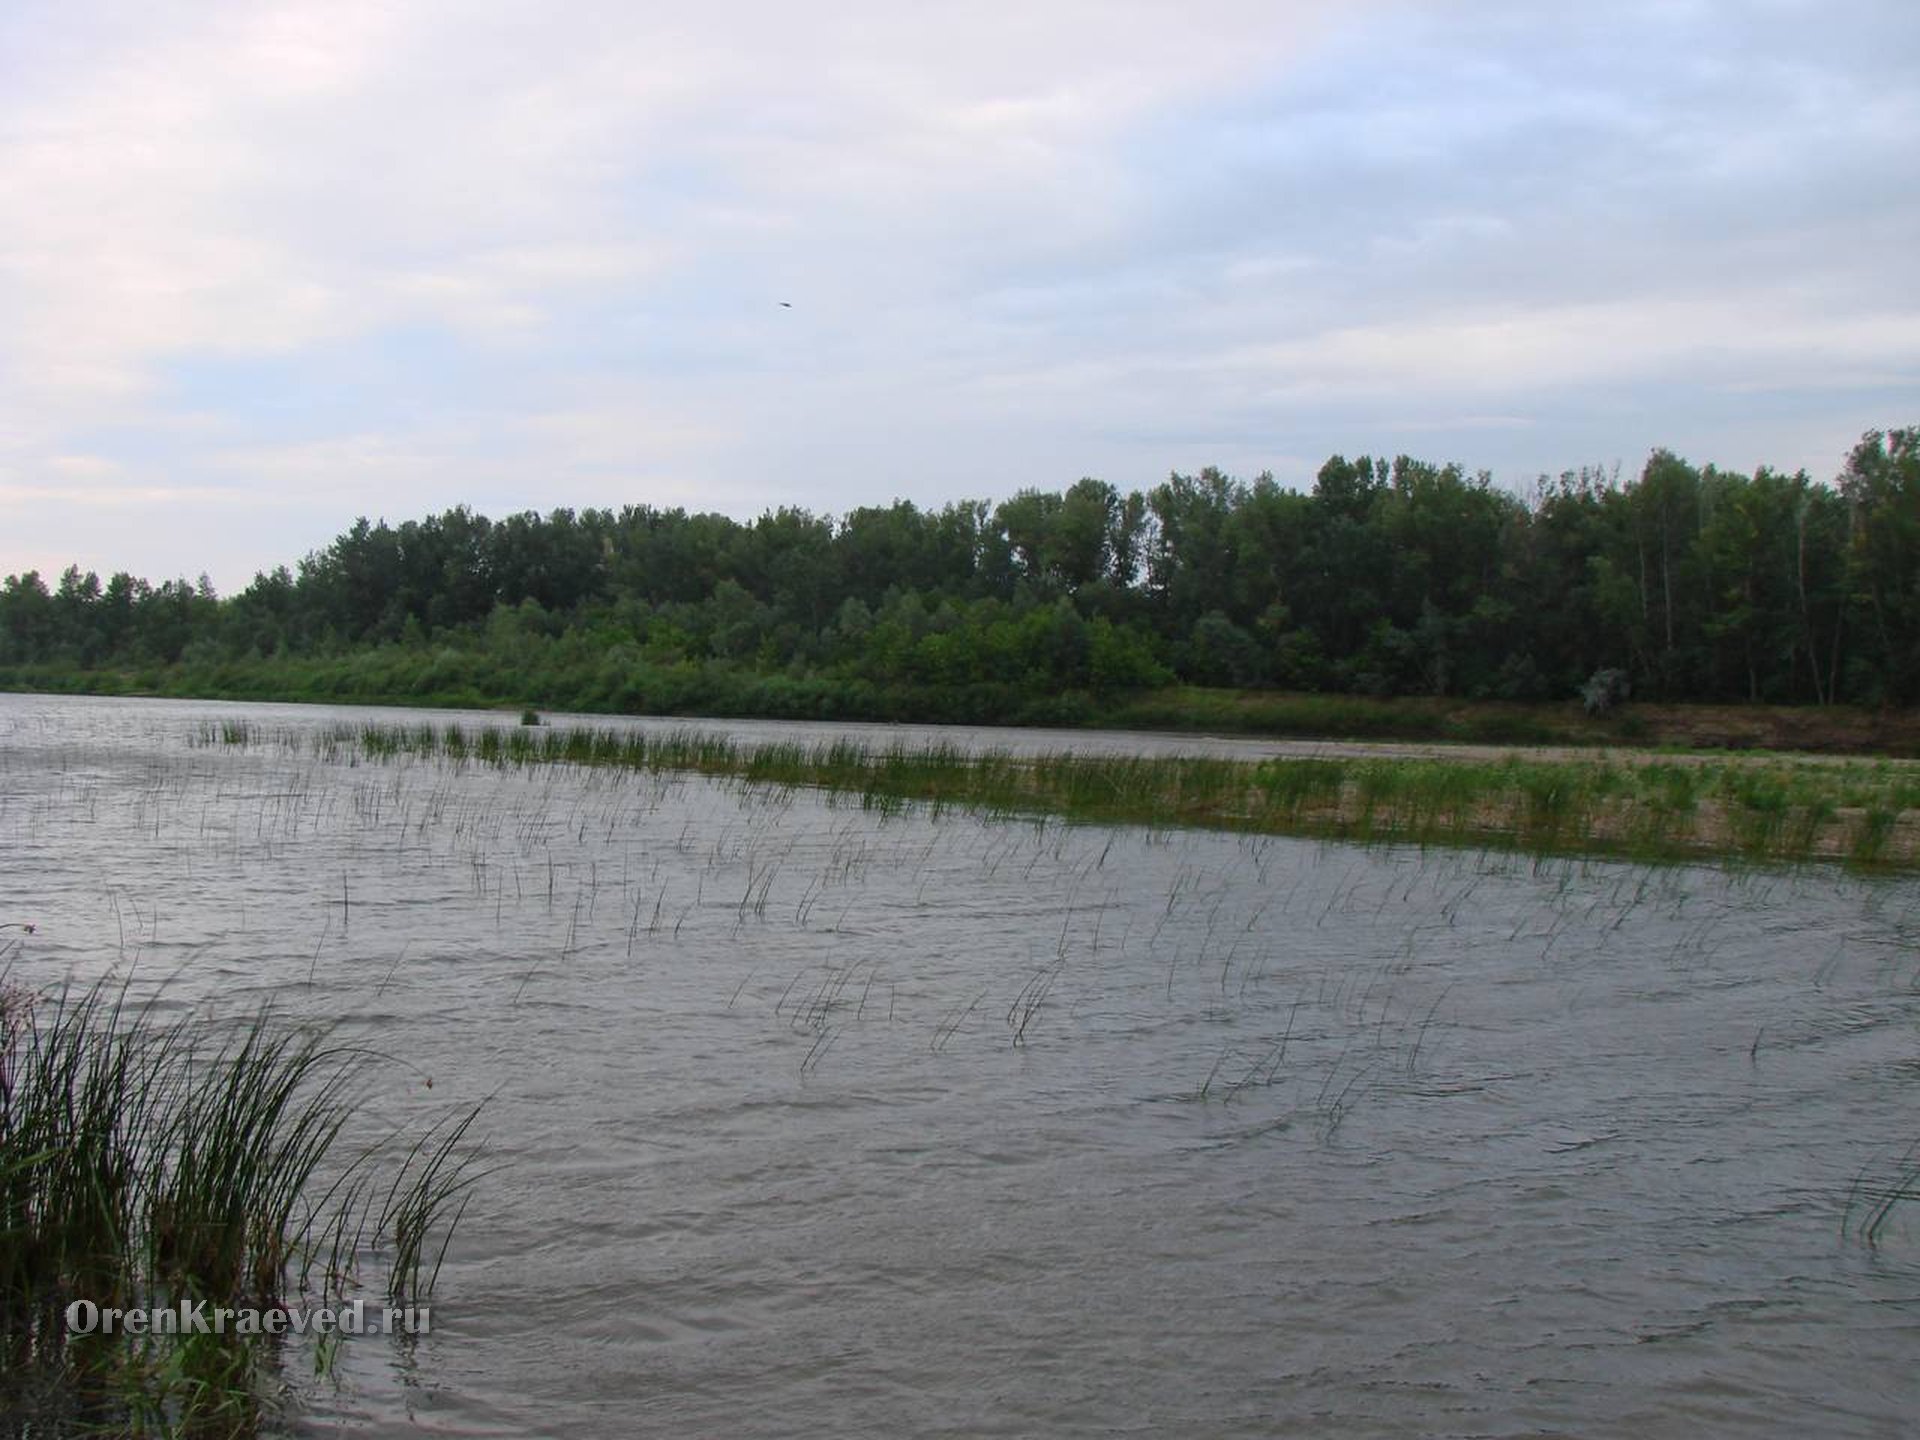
<point x="1549" y="796"/>
<point x="76" y="1083"/>
<point x="1768" y="811"/>
<point x="1756" y="810"/>
<point x="1291" y="789"/>
<point x="1867" y="845"/>
<point x="429" y="1193"/>
<point x="247" y="1127"/>
<point x="1379" y="788"/>
<point x="775" y="764"/>
<point x="149" y="1160"/>
<point x="1653" y="806"/>
<point x="379" y="741"/>
<point x="1875" y="1198"/>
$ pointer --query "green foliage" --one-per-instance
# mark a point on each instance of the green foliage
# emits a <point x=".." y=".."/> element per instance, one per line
<point x="1391" y="578"/>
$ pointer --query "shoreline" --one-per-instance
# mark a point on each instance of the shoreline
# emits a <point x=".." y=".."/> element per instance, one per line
<point x="1424" y="725"/>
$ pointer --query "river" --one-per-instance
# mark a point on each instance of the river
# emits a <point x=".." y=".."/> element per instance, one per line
<point x="807" y="1119"/>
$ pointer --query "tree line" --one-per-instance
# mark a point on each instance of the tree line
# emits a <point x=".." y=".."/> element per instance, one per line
<point x="1386" y="578"/>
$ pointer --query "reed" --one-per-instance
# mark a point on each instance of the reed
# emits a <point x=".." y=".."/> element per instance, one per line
<point x="1766" y="810"/>
<point x="1876" y="1196"/>
<point x="149" y="1161"/>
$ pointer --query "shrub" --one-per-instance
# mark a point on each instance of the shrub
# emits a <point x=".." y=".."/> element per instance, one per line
<point x="1604" y="690"/>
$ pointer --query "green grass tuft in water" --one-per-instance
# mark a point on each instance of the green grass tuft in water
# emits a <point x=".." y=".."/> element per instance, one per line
<point x="148" y="1161"/>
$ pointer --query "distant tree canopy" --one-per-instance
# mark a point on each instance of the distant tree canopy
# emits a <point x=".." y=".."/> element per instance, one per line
<point x="1386" y="578"/>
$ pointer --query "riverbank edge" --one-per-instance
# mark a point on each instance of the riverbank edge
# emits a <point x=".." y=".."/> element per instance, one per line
<point x="725" y="694"/>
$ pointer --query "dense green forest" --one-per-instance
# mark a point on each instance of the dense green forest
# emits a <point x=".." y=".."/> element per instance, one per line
<point x="1387" y="578"/>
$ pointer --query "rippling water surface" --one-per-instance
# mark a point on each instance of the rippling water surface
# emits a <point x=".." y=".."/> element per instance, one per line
<point x="815" y="1121"/>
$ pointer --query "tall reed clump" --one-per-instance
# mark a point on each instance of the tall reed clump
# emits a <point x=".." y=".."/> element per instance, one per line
<point x="152" y="1162"/>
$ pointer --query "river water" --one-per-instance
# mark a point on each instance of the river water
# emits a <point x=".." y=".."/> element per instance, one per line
<point x="812" y="1120"/>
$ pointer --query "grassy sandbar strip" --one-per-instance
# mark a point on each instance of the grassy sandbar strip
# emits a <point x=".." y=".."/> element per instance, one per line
<point x="1862" y="813"/>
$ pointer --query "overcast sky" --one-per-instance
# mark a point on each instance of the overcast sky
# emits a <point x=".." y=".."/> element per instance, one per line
<point x="265" y="268"/>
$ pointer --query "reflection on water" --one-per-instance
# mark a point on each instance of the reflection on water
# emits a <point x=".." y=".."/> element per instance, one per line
<point x="815" y="1121"/>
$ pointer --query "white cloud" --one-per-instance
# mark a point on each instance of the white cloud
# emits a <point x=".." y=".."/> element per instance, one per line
<point x="1555" y="348"/>
<point x="1021" y="242"/>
